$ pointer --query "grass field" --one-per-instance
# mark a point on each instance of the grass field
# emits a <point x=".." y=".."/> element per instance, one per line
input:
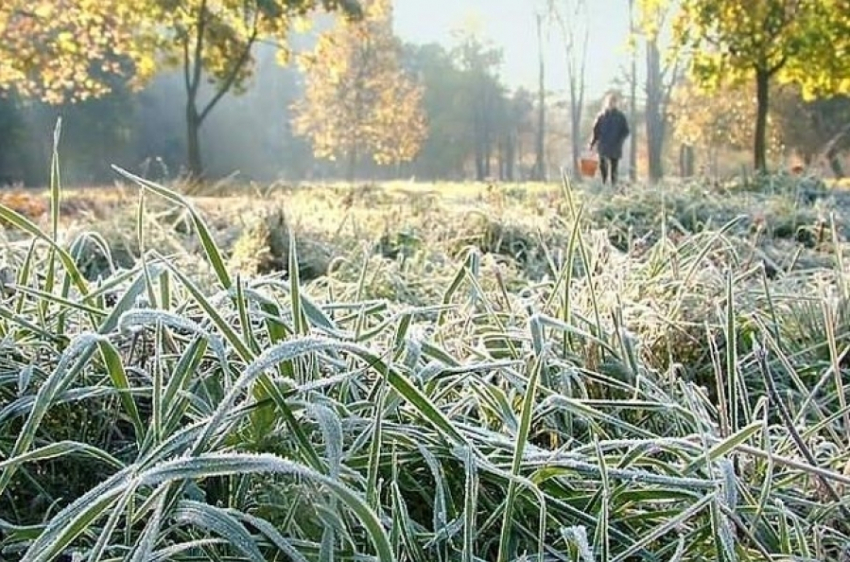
<point x="426" y="373"/>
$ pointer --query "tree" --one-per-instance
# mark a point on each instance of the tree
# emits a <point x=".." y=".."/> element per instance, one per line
<point x="447" y="95"/>
<point x="791" y="41"/>
<point x="212" y="41"/>
<point x="661" y="76"/>
<point x="539" y="173"/>
<point x="451" y="97"/>
<point x="817" y="128"/>
<point x="480" y="61"/>
<point x="633" y="81"/>
<point x="520" y="122"/>
<point x="70" y="50"/>
<point x="359" y="101"/>
<point x="571" y="19"/>
<point x="716" y="120"/>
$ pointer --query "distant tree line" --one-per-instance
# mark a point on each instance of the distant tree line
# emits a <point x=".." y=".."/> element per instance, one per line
<point x="219" y="102"/>
<point x="323" y="89"/>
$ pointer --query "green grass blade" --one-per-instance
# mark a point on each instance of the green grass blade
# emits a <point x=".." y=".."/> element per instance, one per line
<point x="218" y="521"/>
<point x="220" y="322"/>
<point x="128" y="299"/>
<point x="665" y="528"/>
<point x="26" y="226"/>
<point x="55" y="181"/>
<point x="289" y="350"/>
<point x="602" y="539"/>
<point x="61" y="449"/>
<point x="535" y="370"/>
<point x="118" y="375"/>
<point x="143" y="548"/>
<point x="375" y="447"/>
<point x="213" y="464"/>
<point x="272" y="534"/>
<point x="470" y="506"/>
<point x="298" y="319"/>
<point x="75" y="357"/>
<point x="248" y="335"/>
<point x="725" y="446"/>
<point x="211" y="250"/>
<point x="75" y="519"/>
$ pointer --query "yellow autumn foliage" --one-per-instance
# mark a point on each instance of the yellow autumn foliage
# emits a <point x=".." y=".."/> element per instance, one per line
<point x="359" y="101"/>
<point x="49" y="48"/>
<point x="805" y="42"/>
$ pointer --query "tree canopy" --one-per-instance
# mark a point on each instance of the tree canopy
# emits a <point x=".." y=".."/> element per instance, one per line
<point x="213" y="41"/>
<point x="359" y="101"/>
<point x="805" y="42"/>
<point x="71" y="50"/>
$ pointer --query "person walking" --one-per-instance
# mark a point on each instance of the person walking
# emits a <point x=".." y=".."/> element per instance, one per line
<point x="610" y="131"/>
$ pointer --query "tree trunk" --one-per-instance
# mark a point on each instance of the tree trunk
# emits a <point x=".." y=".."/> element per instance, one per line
<point x="655" y="124"/>
<point x="480" y="173"/>
<point x="633" y="102"/>
<point x="510" y="157"/>
<point x="576" y="67"/>
<point x="575" y="134"/>
<point x="517" y="161"/>
<point x="760" y="143"/>
<point x="478" y="140"/>
<point x="500" y="158"/>
<point x="540" y="146"/>
<point x="351" y="170"/>
<point x="487" y="149"/>
<point x="832" y="157"/>
<point x="193" y="141"/>
<point x="686" y="161"/>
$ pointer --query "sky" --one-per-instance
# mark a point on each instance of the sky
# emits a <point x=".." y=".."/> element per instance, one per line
<point x="511" y="25"/>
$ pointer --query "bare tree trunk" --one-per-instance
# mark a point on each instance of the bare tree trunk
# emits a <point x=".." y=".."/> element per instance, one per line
<point x="576" y="70"/>
<point x="478" y="136"/>
<point x="660" y="80"/>
<point x="577" y="94"/>
<point x="485" y="149"/>
<point x="518" y="155"/>
<point x="633" y="101"/>
<point x="833" y="157"/>
<point x="686" y="161"/>
<point x="500" y="159"/>
<point x="351" y="169"/>
<point x="655" y="109"/>
<point x="480" y="173"/>
<point x="760" y="141"/>
<point x="193" y="57"/>
<point x="488" y="148"/>
<point x="193" y="141"/>
<point x="510" y="156"/>
<point x="540" y="146"/>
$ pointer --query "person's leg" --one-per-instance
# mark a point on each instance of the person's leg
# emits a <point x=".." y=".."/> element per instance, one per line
<point x="614" y="163"/>
<point x="603" y="168"/>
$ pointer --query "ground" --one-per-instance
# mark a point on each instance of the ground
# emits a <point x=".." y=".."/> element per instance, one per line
<point x="452" y="371"/>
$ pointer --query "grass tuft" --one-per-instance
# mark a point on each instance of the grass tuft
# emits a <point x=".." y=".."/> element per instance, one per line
<point x="455" y="373"/>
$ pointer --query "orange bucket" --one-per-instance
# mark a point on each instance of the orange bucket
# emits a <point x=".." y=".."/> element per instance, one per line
<point x="588" y="164"/>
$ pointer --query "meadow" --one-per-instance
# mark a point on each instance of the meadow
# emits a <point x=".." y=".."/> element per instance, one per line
<point x="440" y="372"/>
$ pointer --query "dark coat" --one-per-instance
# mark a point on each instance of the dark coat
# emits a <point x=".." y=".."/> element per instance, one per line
<point x="609" y="133"/>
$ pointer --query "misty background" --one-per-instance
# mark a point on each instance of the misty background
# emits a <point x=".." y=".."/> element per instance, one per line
<point x="249" y="136"/>
<point x="511" y="25"/>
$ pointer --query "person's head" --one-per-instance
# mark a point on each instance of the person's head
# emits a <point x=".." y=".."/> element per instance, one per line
<point x="610" y="101"/>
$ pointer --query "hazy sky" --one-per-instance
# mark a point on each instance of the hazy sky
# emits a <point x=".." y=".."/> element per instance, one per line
<point x="511" y="24"/>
